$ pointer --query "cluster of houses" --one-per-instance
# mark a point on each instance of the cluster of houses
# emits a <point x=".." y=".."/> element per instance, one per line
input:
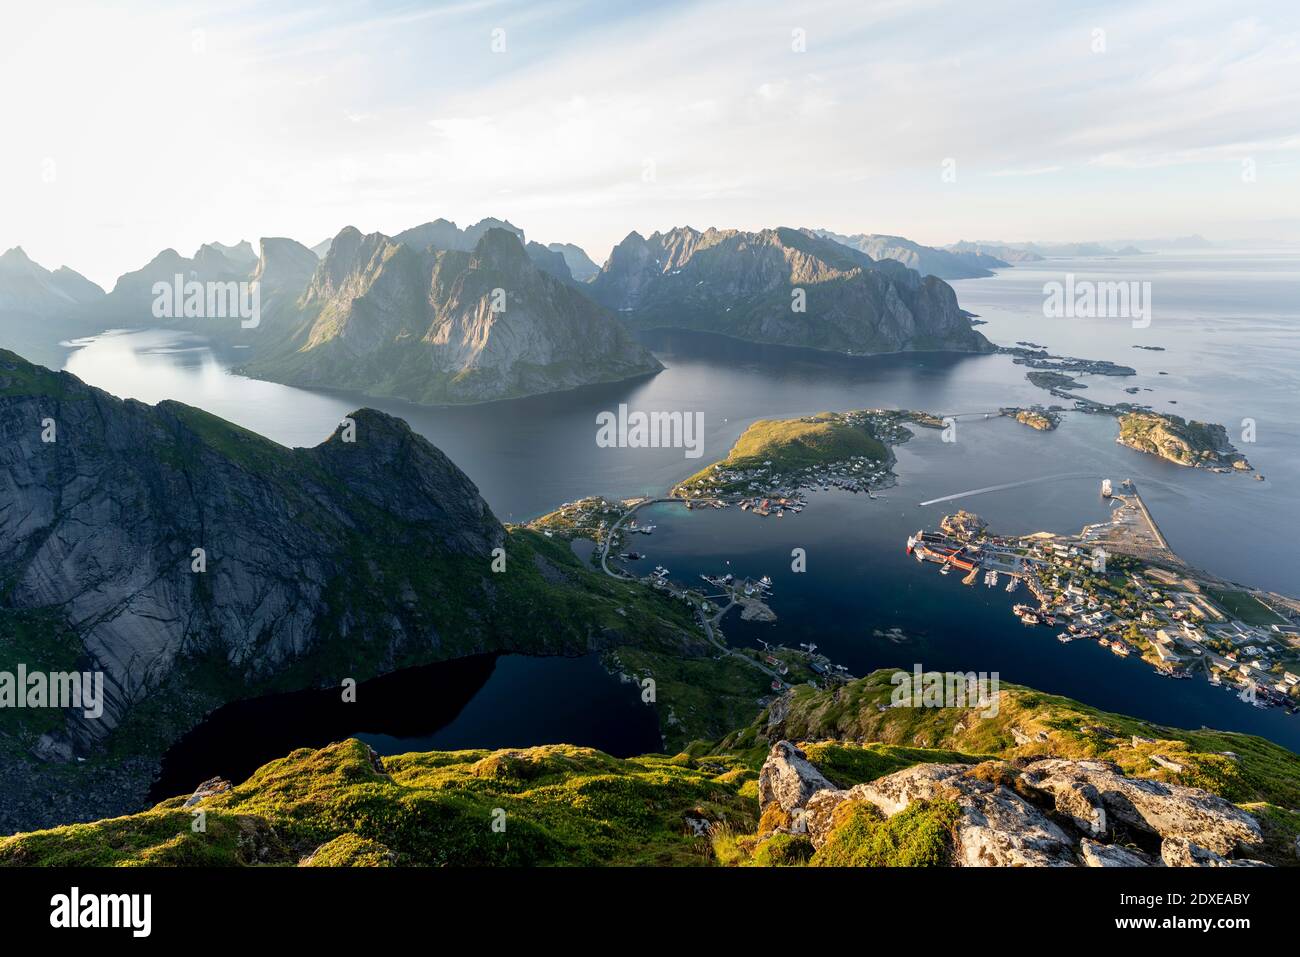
<point x="765" y="480"/>
<point x="1169" y="621"/>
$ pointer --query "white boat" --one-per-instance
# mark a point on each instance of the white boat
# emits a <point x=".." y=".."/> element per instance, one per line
<point x="1065" y="638"/>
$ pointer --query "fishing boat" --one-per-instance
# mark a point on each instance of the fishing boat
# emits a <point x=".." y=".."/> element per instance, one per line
<point x="1065" y="638"/>
<point x="945" y="570"/>
<point x="1029" y="618"/>
<point x="1013" y="584"/>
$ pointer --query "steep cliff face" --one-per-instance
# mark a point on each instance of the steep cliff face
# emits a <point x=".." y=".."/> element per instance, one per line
<point x="782" y="286"/>
<point x="443" y="326"/>
<point x="364" y="553"/>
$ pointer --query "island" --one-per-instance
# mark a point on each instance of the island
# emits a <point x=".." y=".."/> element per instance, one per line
<point x="1175" y="439"/>
<point x="1053" y="381"/>
<point x="775" y="458"/>
<point x="1036" y="417"/>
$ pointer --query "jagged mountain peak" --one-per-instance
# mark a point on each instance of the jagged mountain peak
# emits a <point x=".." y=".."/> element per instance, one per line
<point x="781" y="285"/>
<point x="28" y="288"/>
<point x="15" y="256"/>
<point x="499" y="249"/>
<point x="450" y="325"/>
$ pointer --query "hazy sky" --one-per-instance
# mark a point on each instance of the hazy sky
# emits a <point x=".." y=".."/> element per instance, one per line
<point x="133" y="129"/>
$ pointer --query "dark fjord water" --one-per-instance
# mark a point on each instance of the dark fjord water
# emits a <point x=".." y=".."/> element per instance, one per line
<point x="1231" y="334"/>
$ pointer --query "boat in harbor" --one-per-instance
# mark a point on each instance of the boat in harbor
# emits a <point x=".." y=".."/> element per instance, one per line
<point x="991" y="578"/>
<point x="1013" y="584"/>
<point x="1065" y="638"/>
<point x="1029" y="618"/>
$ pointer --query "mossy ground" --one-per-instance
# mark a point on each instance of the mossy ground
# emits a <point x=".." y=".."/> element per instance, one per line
<point x="559" y="805"/>
<point x="918" y="836"/>
<point x="564" y="805"/>
<point x="1029" y="724"/>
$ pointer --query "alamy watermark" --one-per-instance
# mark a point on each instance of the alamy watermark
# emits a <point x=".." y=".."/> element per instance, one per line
<point x="53" y="689"/>
<point x="208" y="300"/>
<point x="651" y="430"/>
<point x="1089" y="299"/>
<point x="945" y="689"/>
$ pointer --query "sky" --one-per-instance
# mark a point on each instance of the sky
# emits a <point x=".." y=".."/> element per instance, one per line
<point x="134" y="127"/>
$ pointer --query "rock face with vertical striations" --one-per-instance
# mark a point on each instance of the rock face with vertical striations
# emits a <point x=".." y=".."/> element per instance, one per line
<point x="430" y="325"/>
<point x="782" y="286"/>
<point x="366" y="552"/>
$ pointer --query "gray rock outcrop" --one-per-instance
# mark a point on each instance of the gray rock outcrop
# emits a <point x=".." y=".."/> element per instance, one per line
<point x="1056" y="813"/>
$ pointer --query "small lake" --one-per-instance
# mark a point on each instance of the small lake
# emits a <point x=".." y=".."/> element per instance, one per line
<point x="483" y="701"/>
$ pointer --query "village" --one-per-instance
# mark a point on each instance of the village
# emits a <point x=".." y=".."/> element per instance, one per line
<point x="850" y="452"/>
<point x="1180" y="622"/>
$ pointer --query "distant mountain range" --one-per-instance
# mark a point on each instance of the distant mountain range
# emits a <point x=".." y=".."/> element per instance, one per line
<point x="580" y="265"/>
<point x="1030" y="252"/>
<point x="443" y="314"/>
<point x="784" y="286"/>
<point x="927" y="260"/>
<point x="29" y="289"/>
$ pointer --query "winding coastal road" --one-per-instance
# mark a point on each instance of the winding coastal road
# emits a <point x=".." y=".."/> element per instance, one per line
<point x="708" y="623"/>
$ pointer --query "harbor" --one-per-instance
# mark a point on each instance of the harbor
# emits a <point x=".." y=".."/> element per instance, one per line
<point x="1119" y="585"/>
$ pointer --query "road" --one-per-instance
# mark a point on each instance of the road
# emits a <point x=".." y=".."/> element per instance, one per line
<point x="708" y="623"/>
<point x="613" y="529"/>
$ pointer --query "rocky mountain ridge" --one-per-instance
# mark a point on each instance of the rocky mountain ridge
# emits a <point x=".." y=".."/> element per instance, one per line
<point x="29" y="289"/>
<point x="782" y="286"/>
<point x="385" y="318"/>
<point x="194" y="562"/>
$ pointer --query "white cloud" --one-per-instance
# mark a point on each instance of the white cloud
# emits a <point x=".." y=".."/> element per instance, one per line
<point x="303" y="119"/>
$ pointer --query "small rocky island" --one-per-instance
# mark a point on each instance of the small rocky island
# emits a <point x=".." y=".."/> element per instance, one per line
<point x="1036" y="417"/>
<point x="1175" y="439"/>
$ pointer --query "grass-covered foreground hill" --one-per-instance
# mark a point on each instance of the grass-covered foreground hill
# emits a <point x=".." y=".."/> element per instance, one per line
<point x="713" y="804"/>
